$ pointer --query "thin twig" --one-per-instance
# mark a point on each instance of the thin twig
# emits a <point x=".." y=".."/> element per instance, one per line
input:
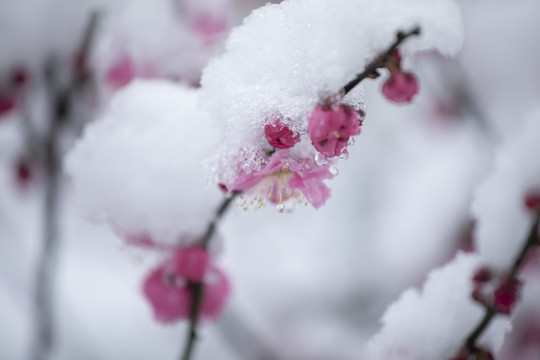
<point x="197" y="289"/>
<point x="379" y="62"/>
<point x="532" y="240"/>
<point x="61" y="106"/>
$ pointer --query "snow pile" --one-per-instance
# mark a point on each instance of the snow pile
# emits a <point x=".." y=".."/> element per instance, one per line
<point x="503" y="219"/>
<point x="288" y="57"/>
<point x="433" y="323"/>
<point x="139" y="166"/>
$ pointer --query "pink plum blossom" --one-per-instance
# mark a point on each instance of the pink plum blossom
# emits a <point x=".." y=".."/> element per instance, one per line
<point x="280" y="136"/>
<point x="168" y="287"/>
<point x="330" y="129"/>
<point x="283" y="179"/>
<point x="400" y="87"/>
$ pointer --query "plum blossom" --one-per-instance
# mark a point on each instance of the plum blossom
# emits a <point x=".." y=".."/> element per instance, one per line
<point x="280" y="136"/>
<point x="400" y="87"/>
<point x="168" y="287"/>
<point x="285" y="179"/>
<point x="330" y="128"/>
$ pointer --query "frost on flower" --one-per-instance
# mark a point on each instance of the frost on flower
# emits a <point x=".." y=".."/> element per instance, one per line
<point x="289" y="58"/>
<point x="284" y="181"/>
<point x="168" y="286"/>
<point x="139" y="166"/>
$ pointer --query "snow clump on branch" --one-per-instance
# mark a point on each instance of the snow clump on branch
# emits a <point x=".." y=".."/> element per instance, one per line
<point x="139" y="166"/>
<point x="289" y="59"/>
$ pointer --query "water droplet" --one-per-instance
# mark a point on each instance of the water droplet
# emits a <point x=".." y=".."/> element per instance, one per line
<point x="351" y="141"/>
<point x="280" y="208"/>
<point x="344" y="155"/>
<point x="334" y="171"/>
<point x="320" y="159"/>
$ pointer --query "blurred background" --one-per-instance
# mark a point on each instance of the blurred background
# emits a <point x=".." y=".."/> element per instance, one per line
<point x="309" y="285"/>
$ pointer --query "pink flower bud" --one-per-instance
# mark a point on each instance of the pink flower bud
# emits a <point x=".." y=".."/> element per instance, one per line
<point x="482" y="275"/>
<point x="506" y="295"/>
<point x="331" y="128"/>
<point x="532" y="200"/>
<point x="7" y="103"/>
<point x="400" y="87"/>
<point x="280" y="136"/>
<point x="23" y="172"/>
<point x="121" y="72"/>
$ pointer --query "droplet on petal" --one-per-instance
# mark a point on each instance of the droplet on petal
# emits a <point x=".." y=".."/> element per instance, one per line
<point x="400" y="87"/>
<point x="320" y="159"/>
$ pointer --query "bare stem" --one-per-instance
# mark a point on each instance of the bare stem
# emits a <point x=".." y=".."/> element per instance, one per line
<point x="50" y="145"/>
<point x="379" y="62"/>
<point x="531" y="241"/>
<point x="197" y="289"/>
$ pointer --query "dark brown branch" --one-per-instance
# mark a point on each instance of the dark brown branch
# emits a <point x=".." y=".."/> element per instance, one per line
<point x="197" y="289"/>
<point x="531" y="241"/>
<point x="380" y="61"/>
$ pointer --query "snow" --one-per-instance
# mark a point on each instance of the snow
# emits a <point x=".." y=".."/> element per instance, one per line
<point x="502" y="196"/>
<point x="139" y="165"/>
<point x="285" y="58"/>
<point x="443" y="306"/>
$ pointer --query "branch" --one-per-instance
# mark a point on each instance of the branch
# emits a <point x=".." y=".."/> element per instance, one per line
<point x="491" y="312"/>
<point x="197" y="289"/>
<point x="380" y="62"/>
<point x="61" y="106"/>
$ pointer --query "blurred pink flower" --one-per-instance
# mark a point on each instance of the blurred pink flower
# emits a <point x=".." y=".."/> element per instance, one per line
<point x="121" y="72"/>
<point x="283" y="179"/>
<point x="168" y="288"/>
<point x="330" y="129"/>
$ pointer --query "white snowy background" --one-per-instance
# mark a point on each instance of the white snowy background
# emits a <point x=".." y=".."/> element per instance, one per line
<point x="312" y="284"/>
